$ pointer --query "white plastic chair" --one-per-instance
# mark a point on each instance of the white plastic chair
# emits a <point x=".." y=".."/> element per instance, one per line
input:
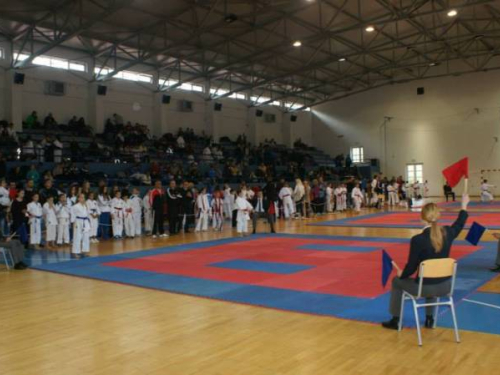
<point x="429" y="269"/>
<point x="6" y="256"/>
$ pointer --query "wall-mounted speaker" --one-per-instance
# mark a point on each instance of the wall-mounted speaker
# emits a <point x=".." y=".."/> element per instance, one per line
<point x="102" y="90"/>
<point x="165" y="99"/>
<point x="293" y="118"/>
<point x="420" y="91"/>
<point x="218" y="107"/>
<point x="19" y="78"/>
<point x="259" y="113"/>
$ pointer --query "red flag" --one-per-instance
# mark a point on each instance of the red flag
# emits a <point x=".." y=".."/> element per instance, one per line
<point x="455" y="172"/>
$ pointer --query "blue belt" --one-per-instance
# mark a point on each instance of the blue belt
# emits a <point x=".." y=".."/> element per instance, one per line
<point x="83" y="218"/>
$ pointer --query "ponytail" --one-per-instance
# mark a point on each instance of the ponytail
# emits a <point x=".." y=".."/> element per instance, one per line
<point x="437" y="237"/>
<point x="430" y="214"/>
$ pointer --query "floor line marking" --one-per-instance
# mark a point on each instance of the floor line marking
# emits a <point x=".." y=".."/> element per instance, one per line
<point x="482" y="303"/>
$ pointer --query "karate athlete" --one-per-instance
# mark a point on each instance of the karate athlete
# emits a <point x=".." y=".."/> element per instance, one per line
<point x="117" y="215"/>
<point x="217" y="211"/>
<point x="136" y="203"/>
<point x="35" y="212"/>
<point x="148" y="214"/>
<point x="228" y="202"/>
<point x="338" y="198"/>
<point x="357" y="197"/>
<point x="50" y="217"/>
<point x="203" y="211"/>
<point x="104" y="203"/>
<point x="94" y="212"/>
<point x="285" y="195"/>
<point x="393" y="195"/>
<point x="343" y="197"/>
<point x="486" y="195"/>
<point x="243" y="208"/>
<point x="63" y="212"/>
<point x="80" y="217"/>
<point x="329" y="198"/>
<point x="128" y="217"/>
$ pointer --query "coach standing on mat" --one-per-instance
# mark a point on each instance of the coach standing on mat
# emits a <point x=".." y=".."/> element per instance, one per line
<point x="157" y="199"/>
<point x="433" y="243"/>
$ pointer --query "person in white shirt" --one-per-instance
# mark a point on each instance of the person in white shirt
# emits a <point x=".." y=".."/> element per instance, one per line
<point x="4" y="208"/>
<point x="136" y="204"/>
<point x="104" y="206"/>
<point x="285" y="195"/>
<point x="343" y="197"/>
<point x="329" y="198"/>
<point x="117" y="215"/>
<point x="357" y="197"/>
<point x="58" y="149"/>
<point x="243" y="208"/>
<point x="28" y="149"/>
<point x="35" y="214"/>
<point x="148" y="214"/>
<point x="203" y="211"/>
<point x="181" y="143"/>
<point x="80" y="217"/>
<point x="486" y="195"/>
<point x="298" y="197"/>
<point x="63" y="212"/>
<point x="94" y="213"/>
<point x="392" y="193"/>
<point x="50" y="217"/>
<point x="128" y="217"/>
<point x="426" y="189"/>
<point x="217" y="211"/>
<point x="228" y="202"/>
<point x="416" y="189"/>
<point x="338" y="198"/>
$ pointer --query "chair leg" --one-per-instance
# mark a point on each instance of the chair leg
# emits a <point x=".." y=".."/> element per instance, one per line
<point x="401" y="313"/>
<point x="453" y="315"/>
<point x="436" y="313"/>
<point x="417" y="322"/>
<point x="5" y="260"/>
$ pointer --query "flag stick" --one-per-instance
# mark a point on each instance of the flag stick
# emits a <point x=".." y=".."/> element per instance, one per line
<point x="466" y="185"/>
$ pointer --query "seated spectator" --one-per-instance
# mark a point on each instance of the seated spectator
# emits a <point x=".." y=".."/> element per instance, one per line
<point x="28" y="149"/>
<point x="58" y="149"/>
<point x="47" y="191"/>
<point x="32" y="120"/>
<point x="448" y="192"/>
<point x="180" y="142"/>
<point x="33" y="175"/>
<point x="73" y="123"/>
<point x="49" y="122"/>
<point x="16" y="248"/>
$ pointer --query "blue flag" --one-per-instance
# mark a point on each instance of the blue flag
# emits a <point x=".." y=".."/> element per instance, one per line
<point x="475" y="233"/>
<point x="386" y="267"/>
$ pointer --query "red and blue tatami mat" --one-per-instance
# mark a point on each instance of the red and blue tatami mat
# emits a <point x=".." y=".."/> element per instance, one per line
<point x="474" y="205"/>
<point x="325" y="275"/>
<point x="396" y="219"/>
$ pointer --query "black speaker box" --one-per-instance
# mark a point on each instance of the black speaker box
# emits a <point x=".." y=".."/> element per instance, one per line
<point x="420" y="91"/>
<point x="19" y="78"/>
<point x="293" y="118"/>
<point x="218" y="107"/>
<point x="101" y="90"/>
<point x="259" y="113"/>
<point x="165" y="99"/>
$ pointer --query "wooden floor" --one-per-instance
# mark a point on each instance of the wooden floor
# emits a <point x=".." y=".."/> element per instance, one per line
<point x="61" y="325"/>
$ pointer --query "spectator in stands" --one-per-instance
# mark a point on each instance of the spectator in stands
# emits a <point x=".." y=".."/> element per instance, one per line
<point x="181" y="143"/>
<point x="58" y="149"/>
<point x="73" y="123"/>
<point x="16" y="248"/>
<point x="32" y="121"/>
<point x="49" y="122"/>
<point x="33" y="175"/>
<point x="28" y="150"/>
<point x="47" y="191"/>
<point x="3" y="166"/>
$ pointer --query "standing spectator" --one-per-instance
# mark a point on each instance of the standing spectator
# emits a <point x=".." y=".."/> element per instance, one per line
<point x="157" y="199"/>
<point x="58" y="149"/>
<point x="32" y="120"/>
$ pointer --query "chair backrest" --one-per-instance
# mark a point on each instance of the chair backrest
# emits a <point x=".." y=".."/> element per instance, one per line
<point x="437" y="268"/>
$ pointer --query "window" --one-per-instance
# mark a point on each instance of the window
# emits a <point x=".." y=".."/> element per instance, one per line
<point x="276" y="103"/>
<point x="218" y="92"/>
<point x="414" y="173"/>
<point x="237" y="95"/>
<point x="167" y="82"/>
<point x="124" y="74"/>
<point x="191" y="87"/>
<point x="1" y="53"/>
<point x="357" y="155"/>
<point x="259" y="99"/>
<point x="53" y="62"/>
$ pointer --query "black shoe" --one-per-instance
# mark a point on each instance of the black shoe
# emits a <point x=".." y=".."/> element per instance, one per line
<point x="429" y="322"/>
<point x="391" y="324"/>
<point x="273" y="231"/>
<point x="496" y="269"/>
<point x="253" y="232"/>
<point x="19" y="266"/>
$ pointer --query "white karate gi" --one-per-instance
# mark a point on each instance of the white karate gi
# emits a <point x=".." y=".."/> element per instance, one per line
<point x="338" y="198"/>
<point x="35" y="212"/>
<point x="148" y="214"/>
<point x="80" y="218"/>
<point x="94" y="212"/>
<point x="50" y="217"/>
<point x="128" y="218"/>
<point x="117" y="216"/>
<point x="285" y="195"/>
<point x="357" y="198"/>
<point x="486" y="195"/>
<point x="329" y="199"/>
<point x="343" y="198"/>
<point x="228" y="203"/>
<point x="136" y="204"/>
<point x="243" y="216"/>
<point x="203" y="212"/>
<point x="392" y="193"/>
<point x="63" y="219"/>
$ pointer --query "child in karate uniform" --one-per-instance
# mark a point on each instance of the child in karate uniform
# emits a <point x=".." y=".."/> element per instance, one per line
<point x="50" y="217"/>
<point x="243" y="216"/>
<point x="117" y="215"/>
<point x="128" y="217"/>
<point x="217" y="211"/>
<point x="228" y="202"/>
<point x="329" y="198"/>
<point x="357" y="198"/>
<point x="136" y="204"/>
<point x="94" y="212"/>
<point x="80" y="217"/>
<point x="285" y="195"/>
<point x="148" y="214"/>
<point x="63" y="212"/>
<point x="338" y="198"/>
<point x="35" y="213"/>
<point x="392" y="193"/>
<point x="343" y="197"/>
<point x="203" y="211"/>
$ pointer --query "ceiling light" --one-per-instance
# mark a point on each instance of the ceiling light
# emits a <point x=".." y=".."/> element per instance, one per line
<point x="452" y="13"/>
<point x="370" y="29"/>
<point x="297" y="43"/>
<point x="342" y="59"/>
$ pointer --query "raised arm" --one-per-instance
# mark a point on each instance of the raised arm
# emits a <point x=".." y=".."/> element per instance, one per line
<point x="459" y="223"/>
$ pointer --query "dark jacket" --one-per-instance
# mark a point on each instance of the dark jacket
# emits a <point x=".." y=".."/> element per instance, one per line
<point x="421" y="247"/>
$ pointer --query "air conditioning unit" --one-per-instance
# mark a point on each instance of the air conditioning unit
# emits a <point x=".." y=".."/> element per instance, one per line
<point x="185" y="106"/>
<point x="55" y="88"/>
<point x="270" y="117"/>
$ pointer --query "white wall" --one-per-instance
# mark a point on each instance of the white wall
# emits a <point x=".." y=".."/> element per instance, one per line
<point x="456" y="117"/>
